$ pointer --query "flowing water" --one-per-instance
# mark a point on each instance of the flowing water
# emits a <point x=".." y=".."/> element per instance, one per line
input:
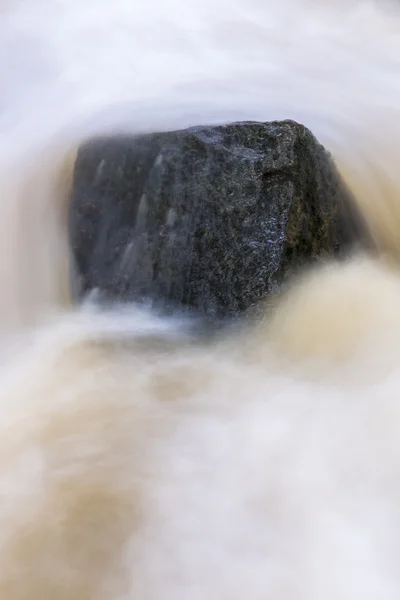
<point x="138" y="461"/>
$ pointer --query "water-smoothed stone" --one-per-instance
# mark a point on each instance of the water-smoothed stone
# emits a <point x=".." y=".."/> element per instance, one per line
<point x="213" y="218"/>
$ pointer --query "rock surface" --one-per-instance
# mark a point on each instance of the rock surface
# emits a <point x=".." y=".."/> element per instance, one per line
<point x="213" y="218"/>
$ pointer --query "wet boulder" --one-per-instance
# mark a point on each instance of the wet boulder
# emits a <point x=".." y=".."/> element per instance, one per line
<point x="213" y="218"/>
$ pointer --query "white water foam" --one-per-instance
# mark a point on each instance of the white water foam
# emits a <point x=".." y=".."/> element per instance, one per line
<point x="135" y="460"/>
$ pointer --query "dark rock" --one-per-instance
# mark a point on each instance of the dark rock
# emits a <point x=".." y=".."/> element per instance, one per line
<point x="213" y="218"/>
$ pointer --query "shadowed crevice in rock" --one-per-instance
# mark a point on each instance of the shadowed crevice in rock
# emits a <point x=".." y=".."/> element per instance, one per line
<point x="213" y="218"/>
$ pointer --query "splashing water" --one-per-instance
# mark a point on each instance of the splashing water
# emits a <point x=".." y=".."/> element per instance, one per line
<point x="135" y="460"/>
